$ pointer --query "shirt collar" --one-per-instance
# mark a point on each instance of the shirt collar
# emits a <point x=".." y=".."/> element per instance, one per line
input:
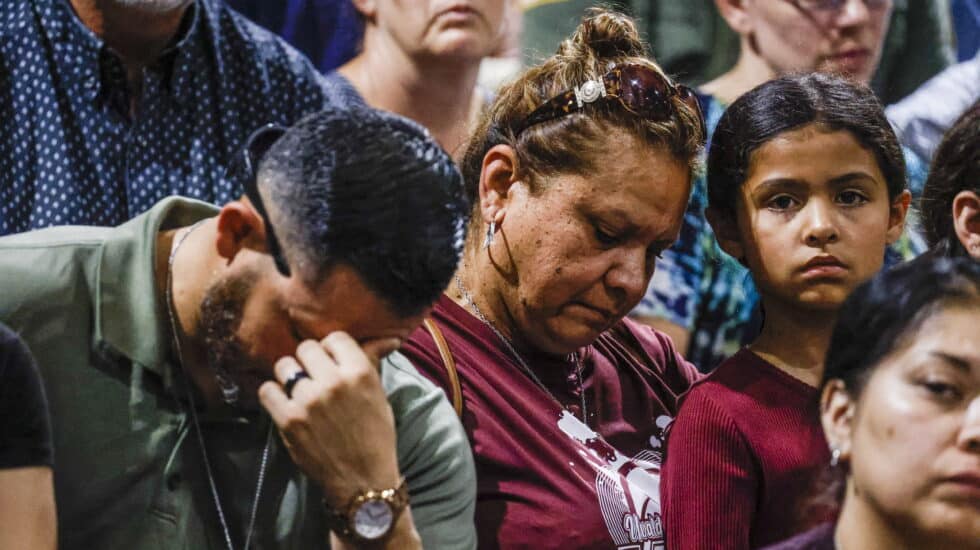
<point x="129" y="318"/>
<point x="71" y="38"/>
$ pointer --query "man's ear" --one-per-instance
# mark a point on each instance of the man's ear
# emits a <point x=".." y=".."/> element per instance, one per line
<point x="734" y="13"/>
<point x="239" y="227"/>
<point x="896" y="216"/>
<point x="726" y="231"/>
<point x="966" y="221"/>
<point x="837" y="413"/>
<point x="498" y="175"/>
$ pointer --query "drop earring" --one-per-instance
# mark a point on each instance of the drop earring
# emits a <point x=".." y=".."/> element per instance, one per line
<point x="834" y="457"/>
<point x="488" y="239"/>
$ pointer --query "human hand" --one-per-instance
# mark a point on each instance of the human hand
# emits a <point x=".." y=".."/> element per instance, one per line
<point x="337" y="425"/>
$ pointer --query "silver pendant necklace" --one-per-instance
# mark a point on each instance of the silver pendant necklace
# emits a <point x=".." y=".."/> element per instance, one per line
<point x="196" y="421"/>
<point x="574" y="357"/>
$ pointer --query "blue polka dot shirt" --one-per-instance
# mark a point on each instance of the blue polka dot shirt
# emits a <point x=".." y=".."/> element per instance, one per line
<point x="70" y="153"/>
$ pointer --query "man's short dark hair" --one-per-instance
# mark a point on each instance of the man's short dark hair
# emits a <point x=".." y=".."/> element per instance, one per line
<point x="370" y="190"/>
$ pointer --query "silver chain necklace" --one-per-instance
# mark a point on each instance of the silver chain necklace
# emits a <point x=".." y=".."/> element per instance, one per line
<point x="197" y="423"/>
<point x="573" y="357"/>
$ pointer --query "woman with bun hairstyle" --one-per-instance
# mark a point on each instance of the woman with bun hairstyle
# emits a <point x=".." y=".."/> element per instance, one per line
<point x="951" y="199"/>
<point x="579" y="174"/>
<point x="900" y="408"/>
<point x="806" y="188"/>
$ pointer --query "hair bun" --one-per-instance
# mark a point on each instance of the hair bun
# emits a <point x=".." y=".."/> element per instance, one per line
<point x="606" y="34"/>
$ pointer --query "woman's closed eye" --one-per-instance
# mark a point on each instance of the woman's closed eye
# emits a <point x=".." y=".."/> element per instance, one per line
<point x="941" y="389"/>
<point x="603" y="237"/>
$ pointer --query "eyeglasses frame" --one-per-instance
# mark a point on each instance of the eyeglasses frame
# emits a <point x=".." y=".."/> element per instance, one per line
<point x="256" y="146"/>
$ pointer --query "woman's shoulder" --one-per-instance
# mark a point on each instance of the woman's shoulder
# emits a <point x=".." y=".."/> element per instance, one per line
<point x="646" y="348"/>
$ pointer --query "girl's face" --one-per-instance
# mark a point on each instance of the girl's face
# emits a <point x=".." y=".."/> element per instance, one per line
<point x="912" y="439"/>
<point x="813" y="217"/>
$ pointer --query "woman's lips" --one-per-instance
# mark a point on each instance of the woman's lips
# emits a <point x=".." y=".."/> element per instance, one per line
<point x="850" y="60"/>
<point x="458" y="13"/>
<point x="965" y="486"/>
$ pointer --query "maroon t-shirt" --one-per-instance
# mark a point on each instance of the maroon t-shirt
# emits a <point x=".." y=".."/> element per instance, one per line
<point x="545" y="479"/>
<point x="742" y="459"/>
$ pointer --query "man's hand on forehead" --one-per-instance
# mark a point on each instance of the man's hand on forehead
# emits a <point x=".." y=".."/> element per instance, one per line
<point x="337" y="423"/>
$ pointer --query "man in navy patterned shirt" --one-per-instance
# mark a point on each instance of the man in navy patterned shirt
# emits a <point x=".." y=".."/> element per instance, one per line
<point x="107" y="106"/>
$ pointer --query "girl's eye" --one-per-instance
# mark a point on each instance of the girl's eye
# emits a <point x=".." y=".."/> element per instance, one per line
<point x="851" y="198"/>
<point x="781" y="202"/>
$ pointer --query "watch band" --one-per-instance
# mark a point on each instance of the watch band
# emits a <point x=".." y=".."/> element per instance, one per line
<point x="341" y="522"/>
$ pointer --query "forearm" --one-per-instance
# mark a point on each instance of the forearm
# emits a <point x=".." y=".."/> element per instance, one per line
<point x="27" y="509"/>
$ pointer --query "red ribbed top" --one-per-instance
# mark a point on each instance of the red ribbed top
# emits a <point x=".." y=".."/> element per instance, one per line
<point x="742" y="455"/>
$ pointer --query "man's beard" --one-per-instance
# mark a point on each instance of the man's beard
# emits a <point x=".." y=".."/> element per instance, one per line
<point x="221" y="316"/>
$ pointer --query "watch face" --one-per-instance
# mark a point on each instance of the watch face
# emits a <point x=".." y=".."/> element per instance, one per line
<point x="373" y="519"/>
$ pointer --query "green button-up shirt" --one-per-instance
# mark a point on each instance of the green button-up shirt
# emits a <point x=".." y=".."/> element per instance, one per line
<point x="129" y="472"/>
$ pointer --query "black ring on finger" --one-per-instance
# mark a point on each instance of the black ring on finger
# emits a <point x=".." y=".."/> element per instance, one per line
<point x="292" y="380"/>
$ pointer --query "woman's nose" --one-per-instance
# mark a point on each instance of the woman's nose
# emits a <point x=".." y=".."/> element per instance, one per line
<point x="629" y="274"/>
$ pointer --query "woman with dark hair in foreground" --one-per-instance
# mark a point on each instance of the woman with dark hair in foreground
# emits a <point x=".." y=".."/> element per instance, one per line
<point x="900" y="408"/>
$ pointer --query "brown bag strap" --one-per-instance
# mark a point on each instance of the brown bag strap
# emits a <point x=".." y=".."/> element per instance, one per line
<point x="447" y="360"/>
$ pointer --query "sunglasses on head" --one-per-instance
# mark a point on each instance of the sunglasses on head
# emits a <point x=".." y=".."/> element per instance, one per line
<point x="243" y="169"/>
<point x="640" y="89"/>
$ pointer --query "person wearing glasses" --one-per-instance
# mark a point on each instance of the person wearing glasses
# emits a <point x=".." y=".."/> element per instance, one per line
<point x="900" y="407"/>
<point x="213" y="372"/>
<point x="702" y="297"/>
<point x="579" y="174"/>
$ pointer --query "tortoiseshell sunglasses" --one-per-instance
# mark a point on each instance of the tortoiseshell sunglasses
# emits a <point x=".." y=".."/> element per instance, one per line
<point x="641" y="90"/>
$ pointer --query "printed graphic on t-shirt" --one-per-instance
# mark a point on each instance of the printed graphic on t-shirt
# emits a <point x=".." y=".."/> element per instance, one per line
<point x="628" y="489"/>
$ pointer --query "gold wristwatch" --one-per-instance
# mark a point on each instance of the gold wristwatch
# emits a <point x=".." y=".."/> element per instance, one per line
<point x="369" y="516"/>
